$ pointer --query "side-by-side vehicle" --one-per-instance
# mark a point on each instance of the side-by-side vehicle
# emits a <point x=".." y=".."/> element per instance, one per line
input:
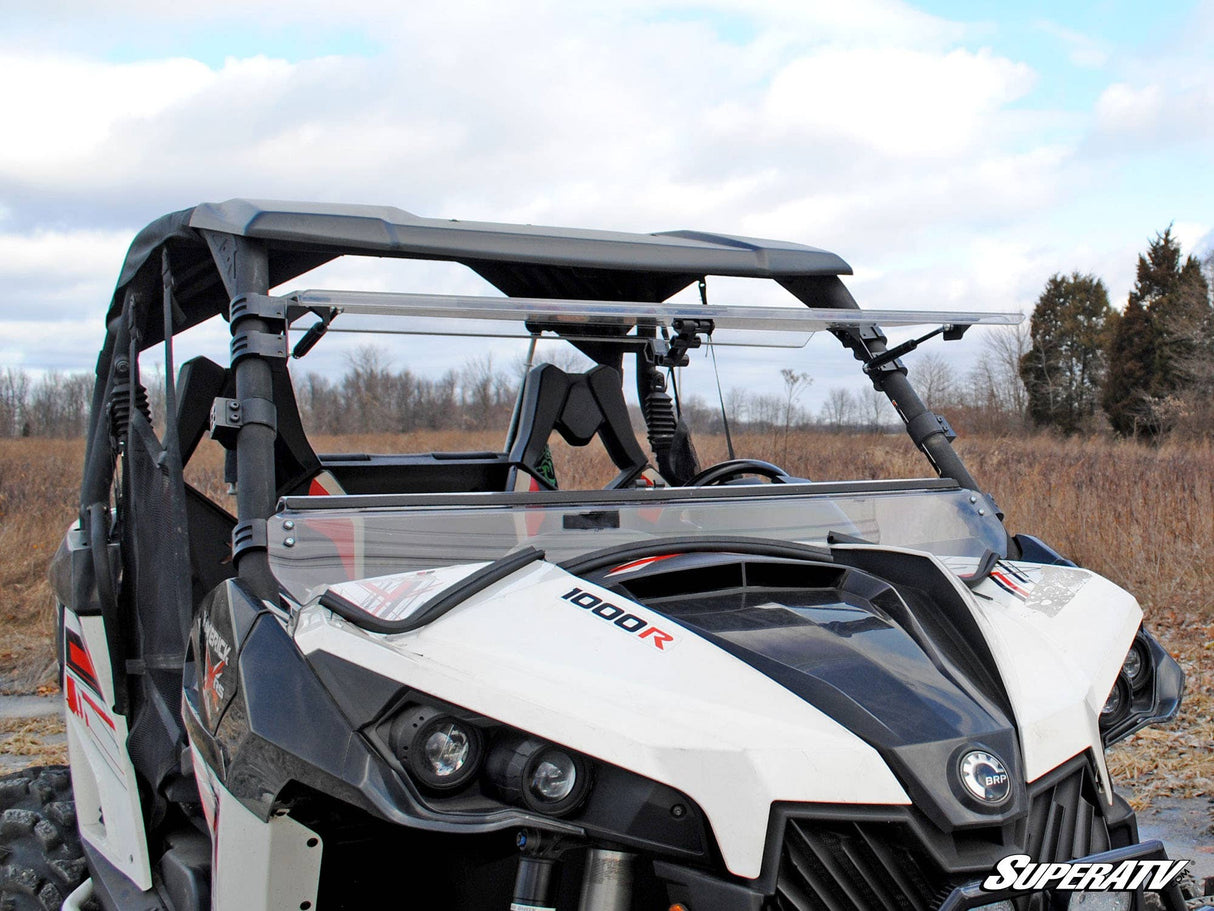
<point x="447" y="680"/>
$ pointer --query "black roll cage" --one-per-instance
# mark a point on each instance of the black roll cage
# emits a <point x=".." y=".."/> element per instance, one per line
<point x="223" y="259"/>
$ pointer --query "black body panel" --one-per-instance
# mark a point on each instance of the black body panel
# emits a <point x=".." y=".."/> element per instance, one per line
<point x="358" y="473"/>
<point x="850" y="644"/>
<point x="850" y="859"/>
<point x="286" y="723"/>
<point x="521" y="260"/>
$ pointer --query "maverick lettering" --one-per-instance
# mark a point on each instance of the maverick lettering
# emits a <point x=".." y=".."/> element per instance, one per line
<point x="215" y="642"/>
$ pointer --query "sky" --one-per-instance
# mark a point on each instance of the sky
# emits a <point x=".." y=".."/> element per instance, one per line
<point x="956" y="154"/>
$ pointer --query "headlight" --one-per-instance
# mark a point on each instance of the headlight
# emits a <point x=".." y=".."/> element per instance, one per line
<point x="463" y="767"/>
<point x="1147" y="691"/>
<point x="1117" y="706"/>
<point x="554" y="778"/>
<point x="1137" y="666"/>
<point x="539" y="775"/>
<point x="441" y="751"/>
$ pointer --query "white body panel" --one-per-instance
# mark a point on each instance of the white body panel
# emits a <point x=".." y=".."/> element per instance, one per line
<point x="259" y="866"/>
<point x="107" y="798"/>
<point x="688" y="715"/>
<point x="1059" y="636"/>
<point x="692" y="716"/>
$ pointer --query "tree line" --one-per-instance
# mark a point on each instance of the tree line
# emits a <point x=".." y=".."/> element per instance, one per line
<point x="371" y="397"/>
<point x="53" y="405"/>
<point x="1079" y="366"/>
<point x="1145" y="371"/>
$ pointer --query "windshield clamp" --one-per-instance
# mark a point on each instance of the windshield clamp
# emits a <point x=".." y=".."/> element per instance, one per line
<point x="687" y="336"/>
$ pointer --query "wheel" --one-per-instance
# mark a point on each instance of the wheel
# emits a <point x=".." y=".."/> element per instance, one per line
<point x="724" y="471"/>
<point x="41" y="861"/>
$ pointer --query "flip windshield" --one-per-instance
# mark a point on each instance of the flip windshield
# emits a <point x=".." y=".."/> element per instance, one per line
<point x="347" y="539"/>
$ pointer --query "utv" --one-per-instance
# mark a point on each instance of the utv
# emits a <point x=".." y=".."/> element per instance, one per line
<point x="442" y="680"/>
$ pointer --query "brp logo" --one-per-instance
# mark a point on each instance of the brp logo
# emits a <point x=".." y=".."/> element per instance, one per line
<point x="985" y="777"/>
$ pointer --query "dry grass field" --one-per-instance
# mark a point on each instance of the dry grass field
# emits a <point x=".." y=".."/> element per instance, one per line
<point x="1142" y="516"/>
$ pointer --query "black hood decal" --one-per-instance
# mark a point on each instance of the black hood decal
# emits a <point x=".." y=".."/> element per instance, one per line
<point x="850" y="644"/>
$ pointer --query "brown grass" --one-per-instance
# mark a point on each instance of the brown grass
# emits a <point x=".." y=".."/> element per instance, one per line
<point x="33" y="740"/>
<point x="1144" y="517"/>
<point x="39" y="490"/>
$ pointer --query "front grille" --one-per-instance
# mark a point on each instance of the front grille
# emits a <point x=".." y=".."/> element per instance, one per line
<point x="1064" y="818"/>
<point x="897" y="865"/>
<point x="853" y="867"/>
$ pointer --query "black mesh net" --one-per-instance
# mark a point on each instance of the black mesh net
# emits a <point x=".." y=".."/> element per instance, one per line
<point x="157" y="598"/>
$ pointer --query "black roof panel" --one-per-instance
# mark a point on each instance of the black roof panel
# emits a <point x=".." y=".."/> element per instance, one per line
<point x="384" y="230"/>
<point x="520" y="260"/>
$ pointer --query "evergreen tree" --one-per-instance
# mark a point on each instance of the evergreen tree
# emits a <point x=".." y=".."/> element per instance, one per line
<point x="1126" y="399"/>
<point x="1065" y="369"/>
<point x="1166" y="334"/>
<point x="1178" y="300"/>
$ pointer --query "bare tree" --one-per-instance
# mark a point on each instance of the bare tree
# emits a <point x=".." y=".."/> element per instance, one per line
<point x="1006" y="349"/>
<point x="934" y="380"/>
<point x="737" y="405"/>
<point x="994" y="393"/>
<point x="487" y="393"/>
<point x="153" y="381"/>
<point x="839" y="409"/>
<point x="874" y="408"/>
<point x="795" y="382"/>
<point x="14" y="400"/>
<point x="366" y="391"/>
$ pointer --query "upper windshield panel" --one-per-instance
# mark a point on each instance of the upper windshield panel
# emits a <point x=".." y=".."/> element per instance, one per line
<point x="335" y="545"/>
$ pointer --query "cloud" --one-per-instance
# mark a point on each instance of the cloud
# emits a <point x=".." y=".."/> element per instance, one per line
<point x="1178" y="111"/>
<point x="898" y="138"/>
<point x="53" y="275"/>
<point x="1192" y="235"/>
<point x="1082" y="50"/>
<point x="899" y="103"/>
<point x="1165" y="96"/>
<point x="67" y="108"/>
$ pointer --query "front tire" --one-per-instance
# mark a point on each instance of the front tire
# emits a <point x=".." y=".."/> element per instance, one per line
<point x="41" y="860"/>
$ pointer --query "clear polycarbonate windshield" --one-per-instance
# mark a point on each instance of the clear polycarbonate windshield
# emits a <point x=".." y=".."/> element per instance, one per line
<point x="389" y="313"/>
<point x="376" y="536"/>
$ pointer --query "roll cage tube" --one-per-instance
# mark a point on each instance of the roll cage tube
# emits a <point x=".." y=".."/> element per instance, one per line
<point x="258" y="334"/>
<point x="929" y="432"/>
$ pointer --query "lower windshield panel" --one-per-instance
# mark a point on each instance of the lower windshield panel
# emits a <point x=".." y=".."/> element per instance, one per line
<point x="336" y="545"/>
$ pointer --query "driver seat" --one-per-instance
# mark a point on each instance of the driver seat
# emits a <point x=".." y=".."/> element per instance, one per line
<point x="579" y="406"/>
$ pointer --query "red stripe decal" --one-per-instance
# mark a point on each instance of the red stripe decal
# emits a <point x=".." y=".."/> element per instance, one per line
<point x="637" y="564"/>
<point x="1009" y="586"/>
<point x="73" y="701"/>
<point x="78" y="656"/>
<point x="96" y="708"/>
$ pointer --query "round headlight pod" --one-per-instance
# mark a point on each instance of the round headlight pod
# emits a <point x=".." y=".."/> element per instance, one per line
<point x="446" y="750"/>
<point x="440" y="751"/>
<point x="1117" y="706"/>
<point x="554" y="781"/>
<point x="537" y="774"/>
<point x="554" y="777"/>
<point x="1137" y="665"/>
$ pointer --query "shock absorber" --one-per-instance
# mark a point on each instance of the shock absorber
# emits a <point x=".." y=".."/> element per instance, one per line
<point x="607" y="884"/>
<point x="538" y="875"/>
<point x="119" y="405"/>
<point x="660" y="421"/>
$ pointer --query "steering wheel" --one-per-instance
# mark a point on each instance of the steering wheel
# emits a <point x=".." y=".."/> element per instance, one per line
<point x="725" y="471"/>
